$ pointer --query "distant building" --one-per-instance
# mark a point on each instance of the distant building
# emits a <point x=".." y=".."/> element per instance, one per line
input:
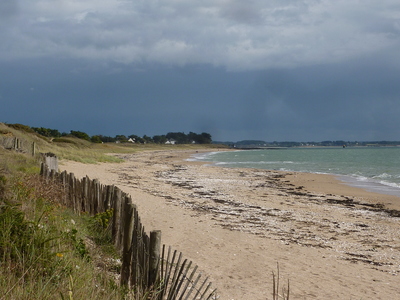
<point x="131" y="140"/>
<point x="170" y="142"/>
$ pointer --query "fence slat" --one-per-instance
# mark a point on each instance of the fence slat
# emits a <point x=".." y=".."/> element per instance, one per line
<point x="127" y="242"/>
<point x="154" y="253"/>
<point x="116" y="218"/>
<point x="134" y="267"/>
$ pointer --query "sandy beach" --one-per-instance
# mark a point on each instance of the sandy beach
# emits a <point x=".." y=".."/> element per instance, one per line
<point x="331" y="241"/>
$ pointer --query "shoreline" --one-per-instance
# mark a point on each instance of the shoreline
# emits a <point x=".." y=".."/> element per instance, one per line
<point x="334" y="184"/>
<point x="332" y="241"/>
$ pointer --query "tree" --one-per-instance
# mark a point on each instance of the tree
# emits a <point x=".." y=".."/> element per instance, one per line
<point x="122" y="138"/>
<point x="205" y="138"/>
<point x="96" y="139"/>
<point x="106" y="139"/>
<point x="80" y="135"/>
<point x="47" y="132"/>
<point x="147" y="139"/>
<point x="160" y="139"/>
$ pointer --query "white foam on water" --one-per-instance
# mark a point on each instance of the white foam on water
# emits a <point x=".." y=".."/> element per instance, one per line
<point x="372" y="185"/>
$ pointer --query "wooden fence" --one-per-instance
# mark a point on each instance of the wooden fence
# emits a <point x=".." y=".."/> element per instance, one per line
<point x="145" y="264"/>
<point x="20" y="145"/>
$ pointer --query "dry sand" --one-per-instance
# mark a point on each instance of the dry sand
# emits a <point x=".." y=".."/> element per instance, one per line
<point x="331" y="241"/>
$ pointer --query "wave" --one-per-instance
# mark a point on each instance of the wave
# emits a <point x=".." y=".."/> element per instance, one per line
<point x="371" y="184"/>
<point x="201" y="156"/>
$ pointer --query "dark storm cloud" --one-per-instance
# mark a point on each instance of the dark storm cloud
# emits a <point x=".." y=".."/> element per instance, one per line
<point x="276" y="70"/>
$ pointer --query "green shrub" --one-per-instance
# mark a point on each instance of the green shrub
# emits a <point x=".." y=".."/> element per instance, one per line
<point x="21" y="127"/>
<point x="63" y="140"/>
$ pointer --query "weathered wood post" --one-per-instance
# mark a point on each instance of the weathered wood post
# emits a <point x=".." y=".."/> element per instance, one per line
<point x="116" y="218"/>
<point x="72" y="191"/>
<point x="135" y="249"/>
<point x="33" y="149"/>
<point x="79" y="196"/>
<point x="108" y="201"/>
<point x="144" y="258"/>
<point x="124" y="198"/>
<point x="63" y="179"/>
<point x="53" y="175"/>
<point x="96" y="197"/>
<point x="51" y="161"/>
<point x="45" y="171"/>
<point x="127" y="242"/>
<point x="42" y="169"/>
<point x="154" y="257"/>
<point x="85" y="194"/>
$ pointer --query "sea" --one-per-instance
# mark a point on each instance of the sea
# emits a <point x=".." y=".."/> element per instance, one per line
<point x="375" y="169"/>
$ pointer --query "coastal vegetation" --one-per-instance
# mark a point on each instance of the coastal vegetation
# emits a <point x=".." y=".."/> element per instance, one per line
<point x="47" y="251"/>
<point x="177" y="137"/>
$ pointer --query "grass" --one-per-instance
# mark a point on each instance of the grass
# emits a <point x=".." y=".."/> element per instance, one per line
<point x="285" y="291"/>
<point x="46" y="251"/>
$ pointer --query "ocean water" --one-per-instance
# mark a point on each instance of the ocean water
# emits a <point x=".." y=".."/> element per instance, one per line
<point x="375" y="169"/>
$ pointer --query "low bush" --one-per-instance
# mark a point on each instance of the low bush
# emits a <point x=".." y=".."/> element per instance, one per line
<point x="46" y="251"/>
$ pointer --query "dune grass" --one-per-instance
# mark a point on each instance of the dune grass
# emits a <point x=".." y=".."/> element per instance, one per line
<point x="46" y="251"/>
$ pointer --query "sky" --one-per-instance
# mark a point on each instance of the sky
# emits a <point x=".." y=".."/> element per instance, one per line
<point x="277" y="70"/>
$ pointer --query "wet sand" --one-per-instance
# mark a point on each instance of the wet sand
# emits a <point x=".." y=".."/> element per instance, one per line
<point x="331" y="241"/>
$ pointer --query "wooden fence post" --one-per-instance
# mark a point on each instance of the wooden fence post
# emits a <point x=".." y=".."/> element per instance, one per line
<point x="72" y="191"/>
<point x="108" y="202"/>
<point x="116" y="218"/>
<point x="42" y="167"/>
<point x="154" y="257"/>
<point x="33" y="149"/>
<point x="78" y="196"/>
<point x="45" y="172"/>
<point x="53" y="175"/>
<point x="127" y="242"/>
<point x="96" y="197"/>
<point x="63" y="179"/>
<point x="134" y="248"/>
<point x="85" y="194"/>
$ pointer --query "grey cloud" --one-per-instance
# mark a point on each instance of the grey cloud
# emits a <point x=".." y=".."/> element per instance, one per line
<point x="237" y="36"/>
<point x="356" y="101"/>
<point x="8" y="8"/>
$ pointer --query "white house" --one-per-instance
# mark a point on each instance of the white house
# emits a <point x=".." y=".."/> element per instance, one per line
<point x="170" y="142"/>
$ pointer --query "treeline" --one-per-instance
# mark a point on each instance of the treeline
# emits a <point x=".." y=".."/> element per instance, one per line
<point x="171" y="137"/>
<point x="337" y="143"/>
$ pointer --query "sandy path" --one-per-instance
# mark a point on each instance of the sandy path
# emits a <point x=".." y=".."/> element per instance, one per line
<point x="330" y="240"/>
